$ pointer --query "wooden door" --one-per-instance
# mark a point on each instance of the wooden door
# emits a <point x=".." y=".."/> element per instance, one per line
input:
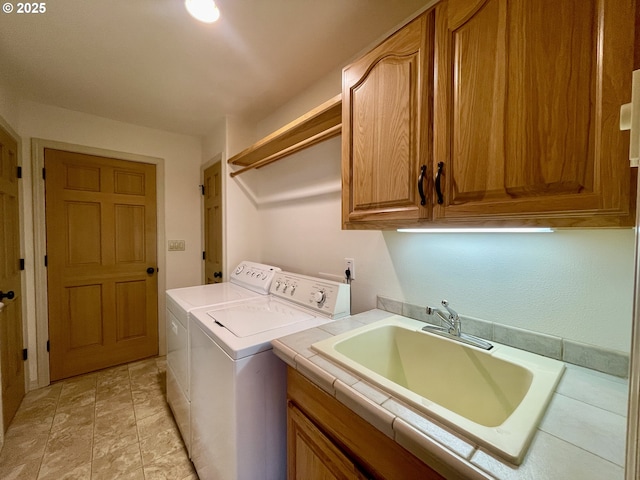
<point x="101" y="250"/>
<point x="387" y="131"/>
<point x="213" y="223"/>
<point x="11" y="342"/>
<point x="313" y="456"/>
<point x="527" y="100"/>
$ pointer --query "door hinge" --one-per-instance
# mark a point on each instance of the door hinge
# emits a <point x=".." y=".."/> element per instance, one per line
<point x="204" y="255"/>
<point x="202" y="189"/>
<point x="44" y="174"/>
<point x="47" y="345"/>
<point x="22" y="264"/>
<point x="24" y="354"/>
<point x="46" y="261"/>
<point x="19" y="173"/>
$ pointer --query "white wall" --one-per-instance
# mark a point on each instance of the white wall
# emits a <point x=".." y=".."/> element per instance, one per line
<point x="241" y="221"/>
<point x="573" y="284"/>
<point x="182" y="156"/>
<point x="9" y="109"/>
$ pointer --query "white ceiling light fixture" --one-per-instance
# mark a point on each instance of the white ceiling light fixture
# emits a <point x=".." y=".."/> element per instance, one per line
<point x="204" y="10"/>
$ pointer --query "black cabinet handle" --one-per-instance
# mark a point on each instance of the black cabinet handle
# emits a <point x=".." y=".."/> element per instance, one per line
<point x="151" y="270"/>
<point x="217" y="275"/>
<point x="437" y="183"/>
<point x="10" y="294"/>
<point x="423" y="171"/>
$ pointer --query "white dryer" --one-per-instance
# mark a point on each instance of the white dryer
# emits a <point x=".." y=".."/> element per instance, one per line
<point x="248" y="280"/>
<point x="238" y="386"/>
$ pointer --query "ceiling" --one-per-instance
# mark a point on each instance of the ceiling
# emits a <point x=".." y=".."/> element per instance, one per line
<point x="147" y="62"/>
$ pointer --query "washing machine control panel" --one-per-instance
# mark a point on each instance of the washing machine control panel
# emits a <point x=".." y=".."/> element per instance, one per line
<point x="254" y="276"/>
<point x="323" y="296"/>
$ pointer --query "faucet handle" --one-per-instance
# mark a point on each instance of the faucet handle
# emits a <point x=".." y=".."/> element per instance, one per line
<point x="452" y="312"/>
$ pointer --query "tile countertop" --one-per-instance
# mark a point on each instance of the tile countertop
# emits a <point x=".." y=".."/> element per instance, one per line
<point x="581" y="436"/>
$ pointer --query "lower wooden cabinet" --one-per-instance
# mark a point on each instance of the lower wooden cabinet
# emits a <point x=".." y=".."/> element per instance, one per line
<point x="313" y="456"/>
<point x="326" y="440"/>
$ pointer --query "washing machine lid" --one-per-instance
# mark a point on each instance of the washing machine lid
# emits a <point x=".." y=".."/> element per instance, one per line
<point x="181" y="301"/>
<point x="254" y="317"/>
<point x="203" y="295"/>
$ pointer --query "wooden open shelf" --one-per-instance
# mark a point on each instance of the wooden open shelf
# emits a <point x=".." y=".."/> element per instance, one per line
<point x="321" y="123"/>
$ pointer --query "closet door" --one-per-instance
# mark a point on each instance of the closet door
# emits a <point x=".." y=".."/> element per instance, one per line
<point x="11" y="341"/>
<point x="101" y="250"/>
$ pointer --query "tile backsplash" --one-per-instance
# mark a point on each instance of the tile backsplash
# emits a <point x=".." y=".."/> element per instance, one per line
<point x="589" y="356"/>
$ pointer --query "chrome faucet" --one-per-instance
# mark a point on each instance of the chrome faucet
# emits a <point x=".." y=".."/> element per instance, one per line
<point x="453" y="328"/>
<point x="452" y="319"/>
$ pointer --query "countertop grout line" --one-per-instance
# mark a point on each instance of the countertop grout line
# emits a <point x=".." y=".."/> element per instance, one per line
<point x="588" y="452"/>
<point x="590" y="404"/>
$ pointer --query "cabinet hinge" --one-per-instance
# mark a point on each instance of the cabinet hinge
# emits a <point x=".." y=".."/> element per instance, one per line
<point x="19" y="172"/>
<point x="46" y="261"/>
<point x="24" y="354"/>
<point x="44" y="174"/>
<point x="202" y="189"/>
<point x="204" y="255"/>
<point x="22" y="264"/>
<point x="47" y="345"/>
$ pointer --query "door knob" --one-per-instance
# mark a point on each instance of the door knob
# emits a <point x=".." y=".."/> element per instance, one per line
<point x="217" y="275"/>
<point x="151" y="270"/>
<point x="10" y="294"/>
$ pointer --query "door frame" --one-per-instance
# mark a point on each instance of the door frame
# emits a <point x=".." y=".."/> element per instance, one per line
<point x="632" y="454"/>
<point x="38" y="146"/>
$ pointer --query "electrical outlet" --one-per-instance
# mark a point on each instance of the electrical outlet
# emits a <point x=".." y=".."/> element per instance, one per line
<point x="350" y="264"/>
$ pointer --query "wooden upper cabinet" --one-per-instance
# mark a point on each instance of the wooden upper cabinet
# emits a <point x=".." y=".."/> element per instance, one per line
<point x="387" y="129"/>
<point x="527" y="100"/>
<point x="519" y="101"/>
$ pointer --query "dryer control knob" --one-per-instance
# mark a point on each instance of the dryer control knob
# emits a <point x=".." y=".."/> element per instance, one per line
<point x="319" y="297"/>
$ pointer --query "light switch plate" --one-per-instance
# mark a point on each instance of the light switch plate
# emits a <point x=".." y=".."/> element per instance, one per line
<point x="176" y="245"/>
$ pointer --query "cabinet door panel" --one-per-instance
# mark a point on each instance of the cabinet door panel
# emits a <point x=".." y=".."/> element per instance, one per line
<point x="526" y="115"/>
<point x="392" y="119"/>
<point x="387" y="127"/>
<point x="478" y="156"/>
<point x="313" y="456"/>
<point x="549" y="129"/>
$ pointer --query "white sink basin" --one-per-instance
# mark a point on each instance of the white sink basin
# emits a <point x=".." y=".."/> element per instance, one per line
<point x="496" y="398"/>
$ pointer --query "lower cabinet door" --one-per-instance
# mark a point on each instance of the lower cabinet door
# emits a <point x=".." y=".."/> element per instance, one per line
<point x="312" y="455"/>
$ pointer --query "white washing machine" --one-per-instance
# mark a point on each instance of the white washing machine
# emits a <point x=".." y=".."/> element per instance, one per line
<point x="238" y="385"/>
<point x="248" y="280"/>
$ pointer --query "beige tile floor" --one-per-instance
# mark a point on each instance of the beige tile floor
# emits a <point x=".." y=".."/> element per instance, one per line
<point x="112" y="424"/>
